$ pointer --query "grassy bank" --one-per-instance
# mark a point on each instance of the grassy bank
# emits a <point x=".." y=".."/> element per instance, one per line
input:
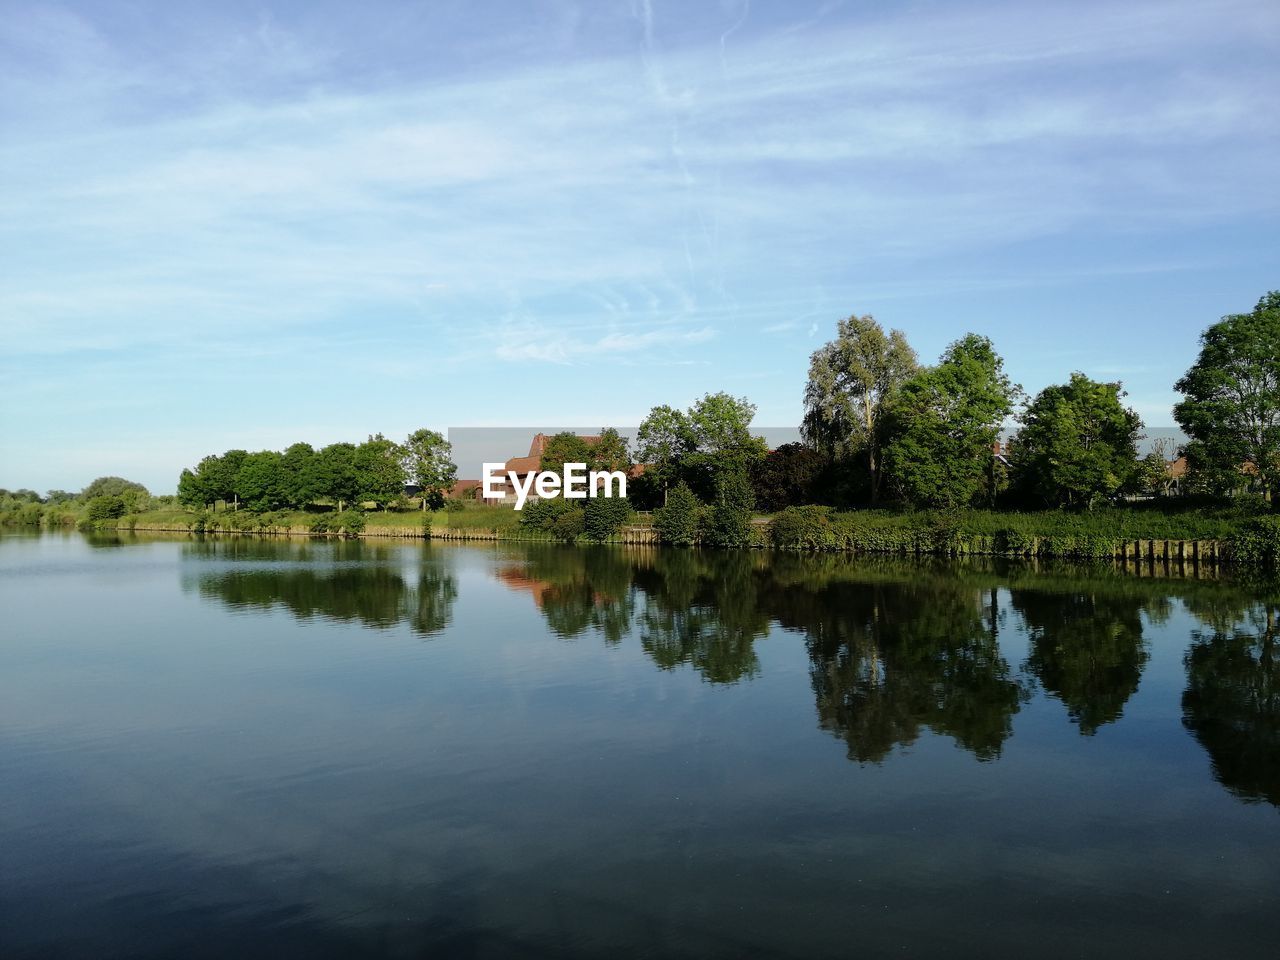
<point x="1224" y="532"/>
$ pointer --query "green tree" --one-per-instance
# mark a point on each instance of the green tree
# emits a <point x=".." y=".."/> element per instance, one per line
<point x="944" y="422"/>
<point x="333" y="473"/>
<point x="562" y="448"/>
<point x="297" y="475"/>
<point x="851" y="381"/>
<point x="729" y="524"/>
<point x="787" y="477"/>
<point x="1232" y="406"/>
<point x="134" y="495"/>
<point x="260" y="485"/>
<point x="379" y="465"/>
<point x="427" y="464"/>
<point x="677" y="522"/>
<point x="605" y="516"/>
<point x="1077" y="444"/>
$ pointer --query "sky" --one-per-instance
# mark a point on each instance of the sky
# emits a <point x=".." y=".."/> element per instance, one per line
<point x="248" y="224"/>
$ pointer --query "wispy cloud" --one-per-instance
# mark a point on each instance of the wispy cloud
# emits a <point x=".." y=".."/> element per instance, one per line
<point x="639" y="184"/>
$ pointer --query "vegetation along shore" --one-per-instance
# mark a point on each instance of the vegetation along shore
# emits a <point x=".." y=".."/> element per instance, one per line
<point x="897" y="457"/>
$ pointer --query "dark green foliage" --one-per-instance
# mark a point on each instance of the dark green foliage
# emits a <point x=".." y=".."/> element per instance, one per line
<point x="333" y="473"/>
<point x="1078" y="444"/>
<point x="261" y="483"/>
<point x="110" y="486"/>
<point x="603" y="517"/>
<point x="803" y="528"/>
<point x="678" y="522"/>
<point x="787" y="477"/>
<point x="379" y="467"/>
<point x="1232" y="406"/>
<point x="852" y="381"/>
<point x="297" y="478"/>
<point x="730" y="518"/>
<point x="105" y="507"/>
<point x="543" y="514"/>
<point x="1258" y="544"/>
<point x="944" y="423"/>
<point x="569" y="525"/>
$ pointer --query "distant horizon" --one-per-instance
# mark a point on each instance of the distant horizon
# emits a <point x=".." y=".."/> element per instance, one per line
<point x="247" y="224"/>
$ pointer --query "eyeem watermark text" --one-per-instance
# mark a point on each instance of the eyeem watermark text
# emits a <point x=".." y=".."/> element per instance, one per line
<point x="577" y="483"/>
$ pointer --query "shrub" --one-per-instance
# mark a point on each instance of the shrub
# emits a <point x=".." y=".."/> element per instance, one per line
<point x="803" y="528"/>
<point x="603" y="517"/>
<point x="349" y="523"/>
<point x="452" y="505"/>
<point x="544" y="515"/>
<point x="106" y="507"/>
<point x="568" y="525"/>
<point x="1258" y="543"/>
<point x="677" y="522"/>
<point x="729" y="523"/>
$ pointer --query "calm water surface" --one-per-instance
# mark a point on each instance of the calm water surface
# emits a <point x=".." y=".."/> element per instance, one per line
<point x="258" y="748"/>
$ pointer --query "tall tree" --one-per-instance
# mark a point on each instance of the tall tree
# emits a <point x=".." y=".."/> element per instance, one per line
<point x="260" y="483"/>
<point x="1232" y="406"/>
<point x="1077" y="443"/>
<point x="297" y="476"/>
<point x="333" y="473"/>
<point x="379" y="469"/>
<point x="664" y="437"/>
<point x="427" y="464"/>
<point x="851" y="378"/>
<point x="945" y="421"/>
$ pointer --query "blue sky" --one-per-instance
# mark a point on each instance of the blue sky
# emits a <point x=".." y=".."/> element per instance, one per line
<point x="245" y="224"/>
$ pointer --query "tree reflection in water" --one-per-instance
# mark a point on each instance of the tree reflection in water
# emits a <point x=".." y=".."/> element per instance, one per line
<point x="343" y="582"/>
<point x="1232" y="703"/>
<point x="895" y="647"/>
<point x="1087" y="649"/>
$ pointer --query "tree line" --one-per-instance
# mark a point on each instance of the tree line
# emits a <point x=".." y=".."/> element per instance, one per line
<point x="376" y="471"/>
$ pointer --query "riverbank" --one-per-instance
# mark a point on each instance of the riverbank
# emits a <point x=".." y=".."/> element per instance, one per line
<point x="1203" y="536"/>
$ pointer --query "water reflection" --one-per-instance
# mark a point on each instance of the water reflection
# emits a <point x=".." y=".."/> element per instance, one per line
<point x="342" y="582"/>
<point x="1087" y="649"/>
<point x="895" y="648"/>
<point x="1232" y="703"/>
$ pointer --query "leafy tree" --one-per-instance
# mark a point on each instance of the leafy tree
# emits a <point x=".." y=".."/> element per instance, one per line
<point x="565" y="448"/>
<point x="1232" y="406"/>
<point x="261" y="481"/>
<point x="427" y="464"/>
<point x="610" y="451"/>
<point x="695" y="446"/>
<point x="379" y="469"/>
<point x="111" y="487"/>
<point x="944" y="422"/>
<point x="1077" y="444"/>
<point x="333" y="473"/>
<point x="297" y="476"/>
<point x="851" y="381"/>
<point x="677" y="522"/>
<point x="55" y="497"/>
<point x="662" y="440"/>
<point x="787" y="477"/>
<point x="729" y="524"/>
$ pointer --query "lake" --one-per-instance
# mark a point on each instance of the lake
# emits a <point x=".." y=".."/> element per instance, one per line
<point x="286" y="748"/>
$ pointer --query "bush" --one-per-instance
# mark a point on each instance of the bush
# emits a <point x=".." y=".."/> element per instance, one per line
<point x="603" y="517"/>
<point x="544" y="515"/>
<point x="106" y="507"/>
<point x="803" y="528"/>
<point x="677" y="523"/>
<point x="1257" y="545"/>
<point x="568" y="525"/>
<point x="350" y="523"/>
<point x="729" y="524"/>
<point x="452" y="505"/>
